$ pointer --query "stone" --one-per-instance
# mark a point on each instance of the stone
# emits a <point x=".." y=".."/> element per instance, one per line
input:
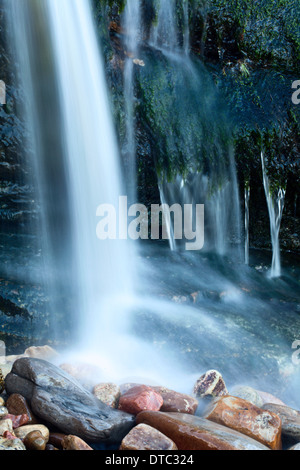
<point x="2" y="383"/>
<point x="2" y="401"/>
<point x="34" y="440"/>
<point x="249" y="394"/>
<point x="18" y="420"/>
<point x="9" y="435"/>
<point x="295" y="447"/>
<point x="144" y="437"/>
<point x="41" y="352"/>
<point x="60" y="400"/>
<point x="139" y="399"/>
<point x="194" y="433"/>
<point x="290" y="419"/>
<point x="268" y="398"/>
<point x="74" y="443"/>
<point x="210" y="384"/>
<point x="6" y="425"/>
<point x="108" y="393"/>
<point x="11" y="444"/>
<point x="3" y="412"/>
<point x="50" y="447"/>
<point x="17" y="405"/>
<point x="56" y="439"/>
<point x="248" y="419"/>
<point x="177" y="402"/>
<point x="23" y="431"/>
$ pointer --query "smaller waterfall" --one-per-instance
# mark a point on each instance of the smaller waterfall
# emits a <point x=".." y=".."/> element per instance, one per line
<point x="275" y="201"/>
<point x="164" y="34"/>
<point x="247" y="219"/>
<point x="186" y="32"/>
<point x="131" y="24"/>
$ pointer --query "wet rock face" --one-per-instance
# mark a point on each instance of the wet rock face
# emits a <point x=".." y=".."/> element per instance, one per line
<point x="59" y="399"/>
<point x="194" y="433"/>
<point x="242" y="416"/>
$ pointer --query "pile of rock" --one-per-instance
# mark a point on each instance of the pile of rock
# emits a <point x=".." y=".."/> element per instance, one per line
<point x="44" y="407"/>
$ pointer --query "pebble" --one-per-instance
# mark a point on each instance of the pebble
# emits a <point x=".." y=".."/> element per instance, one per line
<point x="144" y="437"/>
<point x="34" y="440"/>
<point x="74" y="443"/>
<point x="177" y="402"/>
<point x="18" y="420"/>
<point x="11" y="444"/>
<point x="139" y="399"/>
<point x="108" y="393"/>
<point x="6" y="425"/>
<point x="210" y="384"/>
<point x="24" y="430"/>
<point x="17" y="405"/>
<point x="3" y="411"/>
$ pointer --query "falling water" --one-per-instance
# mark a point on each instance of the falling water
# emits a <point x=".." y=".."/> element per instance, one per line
<point x="99" y="270"/>
<point x="164" y="33"/>
<point x="131" y="24"/>
<point x="275" y="201"/>
<point x="247" y="220"/>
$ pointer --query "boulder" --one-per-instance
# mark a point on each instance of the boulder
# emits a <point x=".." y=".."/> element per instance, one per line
<point x="194" y="433"/>
<point x="290" y="419"/>
<point x="144" y="437"/>
<point x="59" y="399"/>
<point x="248" y="419"/>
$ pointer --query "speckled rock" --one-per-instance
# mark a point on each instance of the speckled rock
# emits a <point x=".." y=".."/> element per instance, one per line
<point x="144" y="437"/>
<point x="23" y="431"/>
<point x="17" y="405"/>
<point x="140" y="398"/>
<point x="11" y="444"/>
<point x="108" y="393"/>
<point x="34" y="440"/>
<point x="74" y="443"/>
<point x="6" y="425"/>
<point x="177" y="402"/>
<point x="248" y="419"/>
<point x="3" y="412"/>
<point x="194" y="433"/>
<point x="210" y="384"/>
<point x="290" y="419"/>
<point x="249" y="394"/>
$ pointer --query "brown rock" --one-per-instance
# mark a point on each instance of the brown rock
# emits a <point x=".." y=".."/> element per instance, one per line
<point x="248" y="419"/>
<point x="290" y="419"/>
<point x="210" y="384"/>
<point x="194" y="433"/>
<point x="108" y="393"/>
<point x="41" y="352"/>
<point x="24" y="430"/>
<point x="144" y="437"/>
<point x="17" y="405"/>
<point x="56" y="439"/>
<point x="34" y="440"/>
<point x="74" y="443"/>
<point x="139" y="399"/>
<point x="177" y="402"/>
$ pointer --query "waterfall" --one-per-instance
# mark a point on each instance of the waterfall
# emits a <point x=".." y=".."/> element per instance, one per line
<point x="95" y="273"/>
<point x="131" y="24"/>
<point x="247" y="219"/>
<point x="275" y="201"/>
<point x="215" y="184"/>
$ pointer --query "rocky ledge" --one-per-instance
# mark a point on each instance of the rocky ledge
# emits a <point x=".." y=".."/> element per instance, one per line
<point x="49" y="407"/>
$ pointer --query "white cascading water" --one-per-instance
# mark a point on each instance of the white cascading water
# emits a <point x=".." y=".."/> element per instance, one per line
<point x="247" y="220"/>
<point x="275" y="203"/>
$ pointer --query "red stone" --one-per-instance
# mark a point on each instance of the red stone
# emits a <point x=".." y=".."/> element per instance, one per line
<point x="140" y="398"/>
<point x="8" y="435"/>
<point x="18" y="420"/>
